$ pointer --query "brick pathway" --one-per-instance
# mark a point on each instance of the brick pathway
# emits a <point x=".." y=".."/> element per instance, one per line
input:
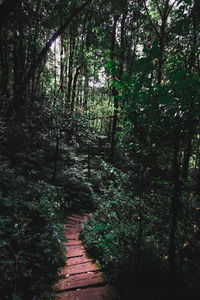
<point x="83" y="280"/>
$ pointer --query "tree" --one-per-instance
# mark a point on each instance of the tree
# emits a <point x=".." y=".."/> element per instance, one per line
<point x="6" y="8"/>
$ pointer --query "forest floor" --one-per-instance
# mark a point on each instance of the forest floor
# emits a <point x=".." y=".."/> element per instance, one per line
<point x="80" y="278"/>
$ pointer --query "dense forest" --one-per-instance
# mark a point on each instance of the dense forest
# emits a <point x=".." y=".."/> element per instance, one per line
<point x="99" y="112"/>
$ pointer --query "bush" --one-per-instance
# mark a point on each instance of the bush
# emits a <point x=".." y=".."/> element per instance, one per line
<point x="130" y="231"/>
<point x="77" y="191"/>
<point x="31" y="234"/>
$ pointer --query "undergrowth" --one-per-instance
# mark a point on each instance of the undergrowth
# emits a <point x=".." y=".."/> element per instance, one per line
<point x="128" y="236"/>
<point x="31" y="249"/>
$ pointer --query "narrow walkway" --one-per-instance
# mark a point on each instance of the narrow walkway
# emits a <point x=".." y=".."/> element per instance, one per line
<point x="83" y="280"/>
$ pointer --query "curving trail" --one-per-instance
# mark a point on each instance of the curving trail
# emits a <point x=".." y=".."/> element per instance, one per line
<point x="83" y="280"/>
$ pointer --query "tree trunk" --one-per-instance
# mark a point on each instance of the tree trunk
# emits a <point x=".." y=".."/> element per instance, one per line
<point x="192" y="65"/>
<point x="4" y="63"/>
<point x="175" y="206"/>
<point x="162" y="38"/>
<point x="114" y="91"/>
<point x="70" y="66"/>
<point x="187" y="155"/>
<point x="61" y="89"/>
<point x="79" y="94"/>
<point x="86" y="86"/>
<point x="55" y="70"/>
<point x="19" y="61"/>
<point x="55" y="160"/>
<point x="140" y="234"/>
<point x="89" y="163"/>
<point x="6" y="8"/>
<point x="74" y="87"/>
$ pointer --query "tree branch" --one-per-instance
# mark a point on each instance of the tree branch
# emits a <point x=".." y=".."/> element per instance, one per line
<point x="46" y="48"/>
<point x="158" y="7"/>
<point x="153" y="25"/>
<point x="170" y="9"/>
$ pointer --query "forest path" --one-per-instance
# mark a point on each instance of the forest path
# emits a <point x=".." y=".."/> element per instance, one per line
<point x="83" y="280"/>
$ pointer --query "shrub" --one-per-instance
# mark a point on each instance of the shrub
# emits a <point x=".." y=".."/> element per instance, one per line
<point x="31" y="249"/>
<point x="130" y="231"/>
